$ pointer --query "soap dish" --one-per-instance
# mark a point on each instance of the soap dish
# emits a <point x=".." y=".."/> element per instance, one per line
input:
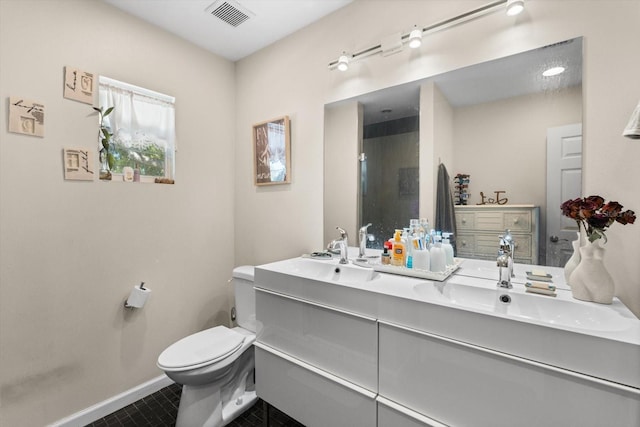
<point x="543" y="278"/>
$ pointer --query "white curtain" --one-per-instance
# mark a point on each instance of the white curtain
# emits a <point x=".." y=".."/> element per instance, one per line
<point x="140" y="117"/>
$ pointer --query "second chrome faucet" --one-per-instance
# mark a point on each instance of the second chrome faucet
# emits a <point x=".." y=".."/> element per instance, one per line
<point x="342" y="244"/>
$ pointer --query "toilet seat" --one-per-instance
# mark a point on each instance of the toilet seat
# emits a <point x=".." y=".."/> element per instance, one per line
<point x="201" y="349"/>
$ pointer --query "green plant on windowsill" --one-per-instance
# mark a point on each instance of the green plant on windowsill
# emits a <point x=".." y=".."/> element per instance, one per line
<point x="104" y="135"/>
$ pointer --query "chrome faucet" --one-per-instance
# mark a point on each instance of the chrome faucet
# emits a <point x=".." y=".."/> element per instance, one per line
<point x="363" y="236"/>
<point x="342" y="244"/>
<point x="505" y="260"/>
<point x="508" y="240"/>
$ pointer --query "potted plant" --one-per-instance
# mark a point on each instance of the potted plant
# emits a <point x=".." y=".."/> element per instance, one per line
<point x="104" y="135"/>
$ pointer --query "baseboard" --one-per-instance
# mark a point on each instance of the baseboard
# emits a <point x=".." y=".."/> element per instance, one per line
<point x="106" y="407"/>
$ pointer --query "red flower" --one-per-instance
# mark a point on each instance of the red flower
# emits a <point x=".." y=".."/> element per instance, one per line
<point x="626" y="217"/>
<point x="595" y="216"/>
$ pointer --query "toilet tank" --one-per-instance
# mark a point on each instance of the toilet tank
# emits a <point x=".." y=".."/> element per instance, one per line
<point x="245" y="297"/>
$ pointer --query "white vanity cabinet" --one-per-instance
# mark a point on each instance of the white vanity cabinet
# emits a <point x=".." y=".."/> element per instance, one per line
<point x="460" y="384"/>
<point x="317" y="363"/>
<point x="395" y="351"/>
<point x="479" y="226"/>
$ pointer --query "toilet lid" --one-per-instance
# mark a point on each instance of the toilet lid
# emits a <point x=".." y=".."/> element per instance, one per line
<point x="201" y="348"/>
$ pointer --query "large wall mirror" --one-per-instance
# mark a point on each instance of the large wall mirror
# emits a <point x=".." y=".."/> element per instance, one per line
<point x="491" y="121"/>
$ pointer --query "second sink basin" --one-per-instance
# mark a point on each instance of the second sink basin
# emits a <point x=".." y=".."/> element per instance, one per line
<point x="327" y="270"/>
<point x="517" y="303"/>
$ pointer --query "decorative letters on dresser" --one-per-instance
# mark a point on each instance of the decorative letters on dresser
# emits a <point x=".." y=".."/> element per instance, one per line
<point x="479" y="227"/>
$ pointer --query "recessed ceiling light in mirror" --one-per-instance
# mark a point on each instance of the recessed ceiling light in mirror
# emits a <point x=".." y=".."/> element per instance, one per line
<point x="553" y="71"/>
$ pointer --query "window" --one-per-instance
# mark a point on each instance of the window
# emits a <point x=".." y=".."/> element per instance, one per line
<point x="143" y="127"/>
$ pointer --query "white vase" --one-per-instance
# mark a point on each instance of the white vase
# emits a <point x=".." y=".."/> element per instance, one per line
<point x="573" y="262"/>
<point x="590" y="281"/>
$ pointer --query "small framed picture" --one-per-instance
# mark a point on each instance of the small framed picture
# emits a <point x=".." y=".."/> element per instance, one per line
<point x="26" y="116"/>
<point x="78" y="164"/>
<point x="272" y="152"/>
<point x="79" y="85"/>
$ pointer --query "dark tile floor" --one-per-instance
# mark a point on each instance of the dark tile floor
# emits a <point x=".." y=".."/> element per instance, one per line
<point x="160" y="408"/>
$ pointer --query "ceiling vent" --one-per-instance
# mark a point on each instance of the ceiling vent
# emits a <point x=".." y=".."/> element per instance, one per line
<point x="230" y="12"/>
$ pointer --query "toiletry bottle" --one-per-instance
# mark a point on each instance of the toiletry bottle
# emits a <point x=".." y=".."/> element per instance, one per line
<point x="407" y="239"/>
<point x="136" y="174"/>
<point x="438" y="261"/>
<point x="385" y="258"/>
<point x="448" y="249"/>
<point x="423" y="231"/>
<point x="432" y="238"/>
<point x="421" y="259"/>
<point x="414" y="227"/>
<point x="424" y="225"/>
<point x="398" y="254"/>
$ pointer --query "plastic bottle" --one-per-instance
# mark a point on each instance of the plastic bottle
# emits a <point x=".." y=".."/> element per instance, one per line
<point x="432" y="238"/>
<point x="398" y="253"/>
<point x="421" y="259"/>
<point x="424" y="232"/>
<point x="407" y="239"/>
<point x="438" y="261"/>
<point x="385" y="258"/>
<point x="136" y="174"/>
<point x="448" y="249"/>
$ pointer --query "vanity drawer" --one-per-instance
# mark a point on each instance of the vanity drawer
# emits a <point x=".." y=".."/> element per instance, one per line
<point x="422" y="372"/>
<point x="333" y="340"/>
<point x="465" y="244"/>
<point x="390" y="414"/>
<point x="487" y="245"/>
<point x="465" y="221"/>
<point x="489" y="220"/>
<point x="517" y="221"/>
<point x="523" y="248"/>
<point x="313" y="397"/>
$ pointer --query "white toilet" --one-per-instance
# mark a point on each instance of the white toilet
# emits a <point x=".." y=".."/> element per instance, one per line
<point x="216" y="366"/>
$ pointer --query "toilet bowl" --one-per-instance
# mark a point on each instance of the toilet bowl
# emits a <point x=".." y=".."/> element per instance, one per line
<point x="216" y="366"/>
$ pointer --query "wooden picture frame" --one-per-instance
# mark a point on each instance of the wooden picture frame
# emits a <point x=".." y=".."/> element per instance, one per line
<point x="272" y="152"/>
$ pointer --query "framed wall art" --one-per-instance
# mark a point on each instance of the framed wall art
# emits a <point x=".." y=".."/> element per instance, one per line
<point x="79" y="85"/>
<point x="78" y="164"/>
<point x="26" y="116"/>
<point x="272" y="152"/>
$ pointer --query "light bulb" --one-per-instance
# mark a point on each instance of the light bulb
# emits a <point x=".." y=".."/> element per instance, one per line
<point x="514" y="7"/>
<point x="415" y="38"/>
<point x="343" y="63"/>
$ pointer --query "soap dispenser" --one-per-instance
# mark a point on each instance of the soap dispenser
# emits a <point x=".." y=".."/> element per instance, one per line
<point x="448" y="249"/>
<point x="438" y="260"/>
<point x="398" y="253"/>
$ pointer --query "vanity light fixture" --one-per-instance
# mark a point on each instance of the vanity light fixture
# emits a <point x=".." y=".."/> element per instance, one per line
<point x="415" y="38"/>
<point x="343" y="62"/>
<point x="553" y="71"/>
<point x="515" y="7"/>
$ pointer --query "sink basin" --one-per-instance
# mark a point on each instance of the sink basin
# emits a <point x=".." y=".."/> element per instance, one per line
<point x="519" y="304"/>
<point x="326" y="270"/>
<point x="488" y="270"/>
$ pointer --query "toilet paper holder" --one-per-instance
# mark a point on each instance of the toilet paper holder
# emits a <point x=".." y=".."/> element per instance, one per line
<point x="137" y="297"/>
